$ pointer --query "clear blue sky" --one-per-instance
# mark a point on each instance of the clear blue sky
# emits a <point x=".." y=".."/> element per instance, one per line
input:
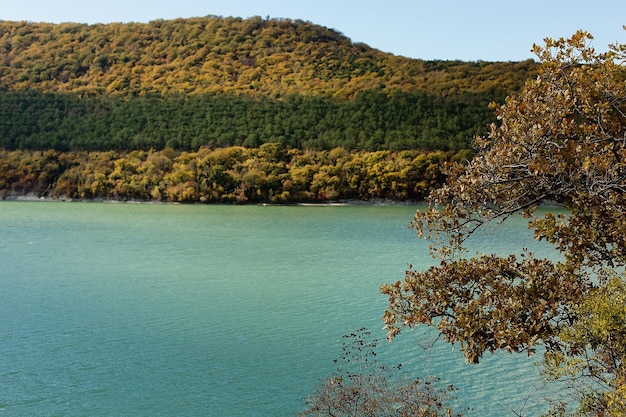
<point x="487" y="30"/>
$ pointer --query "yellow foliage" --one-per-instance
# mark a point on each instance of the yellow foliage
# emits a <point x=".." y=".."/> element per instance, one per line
<point x="211" y="54"/>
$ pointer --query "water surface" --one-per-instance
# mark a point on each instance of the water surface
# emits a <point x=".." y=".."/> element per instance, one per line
<point x="161" y="310"/>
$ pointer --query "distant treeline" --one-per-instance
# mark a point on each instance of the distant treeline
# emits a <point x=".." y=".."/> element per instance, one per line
<point x="372" y="120"/>
<point x="271" y="173"/>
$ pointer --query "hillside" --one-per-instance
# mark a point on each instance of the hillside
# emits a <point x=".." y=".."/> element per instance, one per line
<point x="222" y="55"/>
<point x="218" y="81"/>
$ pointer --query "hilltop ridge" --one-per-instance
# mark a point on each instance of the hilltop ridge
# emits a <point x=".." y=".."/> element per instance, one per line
<point x="227" y="55"/>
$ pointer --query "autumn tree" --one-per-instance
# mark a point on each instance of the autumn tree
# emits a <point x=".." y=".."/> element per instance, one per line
<point x="561" y="139"/>
<point x="361" y="386"/>
<point x="591" y="361"/>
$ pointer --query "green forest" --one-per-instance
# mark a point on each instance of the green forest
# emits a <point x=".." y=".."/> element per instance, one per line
<point x="186" y="86"/>
<point x="371" y="121"/>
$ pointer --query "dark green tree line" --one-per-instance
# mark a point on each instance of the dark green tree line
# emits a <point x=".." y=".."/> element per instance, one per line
<point x="373" y="120"/>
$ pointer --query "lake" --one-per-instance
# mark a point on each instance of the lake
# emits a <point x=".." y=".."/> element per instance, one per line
<point x="111" y="309"/>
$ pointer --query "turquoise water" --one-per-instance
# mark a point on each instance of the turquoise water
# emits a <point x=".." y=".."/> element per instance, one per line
<point x="176" y="310"/>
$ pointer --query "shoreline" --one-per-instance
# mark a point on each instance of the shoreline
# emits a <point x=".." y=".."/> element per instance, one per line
<point x="335" y="203"/>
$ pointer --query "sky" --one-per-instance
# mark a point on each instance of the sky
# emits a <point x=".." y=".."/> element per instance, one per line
<point x="486" y="30"/>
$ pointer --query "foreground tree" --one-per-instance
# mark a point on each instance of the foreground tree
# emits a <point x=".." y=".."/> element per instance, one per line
<point x="562" y="139"/>
<point x="591" y="362"/>
<point x="361" y="387"/>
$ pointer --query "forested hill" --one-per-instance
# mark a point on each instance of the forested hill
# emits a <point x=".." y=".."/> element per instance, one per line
<point x="229" y="81"/>
<point x="217" y="55"/>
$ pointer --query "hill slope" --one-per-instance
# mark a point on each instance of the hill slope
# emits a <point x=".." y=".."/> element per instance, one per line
<point x="229" y="81"/>
<point x="209" y="55"/>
